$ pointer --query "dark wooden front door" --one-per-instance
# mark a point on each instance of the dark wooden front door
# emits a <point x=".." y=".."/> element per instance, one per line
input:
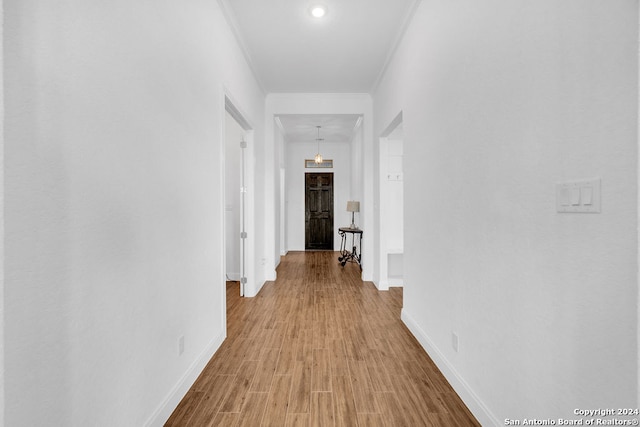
<point x="318" y="211"/>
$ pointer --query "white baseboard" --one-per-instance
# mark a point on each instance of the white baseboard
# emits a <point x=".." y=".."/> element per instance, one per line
<point x="468" y="396"/>
<point x="396" y="282"/>
<point x="252" y="289"/>
<point x="166" y="408"/>
<point x="234" y="277"/>
<point x="270" y="275"/>
<point x="382" y="285"/>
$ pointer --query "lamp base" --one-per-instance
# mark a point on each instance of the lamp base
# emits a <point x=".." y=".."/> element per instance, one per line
<point x="353" y="226"/>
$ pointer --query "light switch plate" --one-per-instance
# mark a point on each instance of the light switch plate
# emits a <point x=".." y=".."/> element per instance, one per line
<point x="579" y="196"/>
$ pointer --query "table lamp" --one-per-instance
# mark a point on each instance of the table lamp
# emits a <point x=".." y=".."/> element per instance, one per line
<point x="353" y="207"/>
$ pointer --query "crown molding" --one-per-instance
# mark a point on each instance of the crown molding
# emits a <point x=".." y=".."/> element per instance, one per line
<point x="232" y="22"/>
<point x="411" y="11"/>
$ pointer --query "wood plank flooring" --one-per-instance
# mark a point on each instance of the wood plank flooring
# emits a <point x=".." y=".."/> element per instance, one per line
<point x="319" y="347"/>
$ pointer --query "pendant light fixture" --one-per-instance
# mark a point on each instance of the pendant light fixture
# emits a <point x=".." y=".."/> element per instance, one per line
<point x="318" y="158"/>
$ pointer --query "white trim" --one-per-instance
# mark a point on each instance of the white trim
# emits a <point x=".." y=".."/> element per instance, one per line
<point x="170" y="403"/>
<point x="232" y="22"/>
<point x="252" y="286"/>
<point x="315" y="103"/>
<point x="234" y="277"/>
<point x="222" y="157"/>
<point x="233" y="111"/>
<point x="382" y="285"/>
<point x="466" y="393"/>
<point x="396" y="43"/>
<point x="397" y="121"/>
<point x="396" y="282"/>
<point x="638" y="240"/>
<point x="2" y="230"/>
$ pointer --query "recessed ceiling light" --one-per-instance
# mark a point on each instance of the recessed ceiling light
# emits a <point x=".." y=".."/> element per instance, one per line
<point x="318" y="11"/>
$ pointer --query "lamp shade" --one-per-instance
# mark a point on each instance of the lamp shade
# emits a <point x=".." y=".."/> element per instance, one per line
<point x="353" y="206"/>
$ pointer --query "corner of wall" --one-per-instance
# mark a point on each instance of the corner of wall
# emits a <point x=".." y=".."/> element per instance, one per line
<point x="382" y="285"/>
<point x="270" y="274"/>
<point x="252" y="290"/>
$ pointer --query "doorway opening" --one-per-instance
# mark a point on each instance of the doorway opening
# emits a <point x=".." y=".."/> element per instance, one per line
<point x="391" y="205"/>
<point x="318" y="207"/>
<point x="238" y="201"/>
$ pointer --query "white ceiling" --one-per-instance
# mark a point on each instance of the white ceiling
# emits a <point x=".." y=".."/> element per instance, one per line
<point x="344" y="52"/>
<point x="291" y="51"/>
<point x="333" y="128"/>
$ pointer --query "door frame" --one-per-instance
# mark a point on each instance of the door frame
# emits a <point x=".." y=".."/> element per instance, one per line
<point x="332" y="214"/>
<point x="247" y="212"/>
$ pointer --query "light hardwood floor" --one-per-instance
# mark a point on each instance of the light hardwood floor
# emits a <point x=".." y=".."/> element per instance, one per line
<point x="319" y="347"/>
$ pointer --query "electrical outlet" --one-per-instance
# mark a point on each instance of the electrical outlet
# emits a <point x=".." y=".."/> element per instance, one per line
<point x="454" y="341"/>
<point x="181" y="345"/>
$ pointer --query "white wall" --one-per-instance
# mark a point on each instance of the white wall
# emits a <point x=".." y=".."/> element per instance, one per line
<point x="392" y="206"/>
<point x="113" y="214"/>
<point x="500" y="101"/>
<point x="357" y="174"/>
<point x="233" y="135"/>
<point x="297" y="152"/>
<point x="2" y="208"/>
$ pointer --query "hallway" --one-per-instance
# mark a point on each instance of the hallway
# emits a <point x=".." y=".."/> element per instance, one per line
<point x="319" y="347"/>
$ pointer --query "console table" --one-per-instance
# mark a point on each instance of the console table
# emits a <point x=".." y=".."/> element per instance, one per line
<point x="352" y="255"/>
